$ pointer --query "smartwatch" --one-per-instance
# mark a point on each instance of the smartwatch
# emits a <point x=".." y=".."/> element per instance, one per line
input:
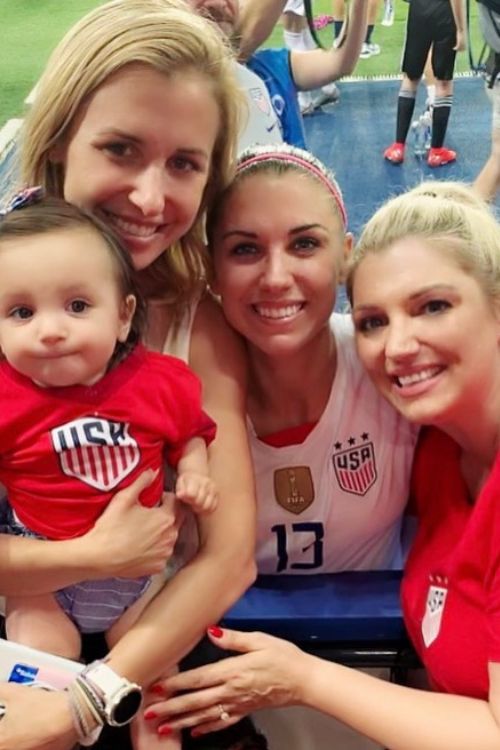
<point x="119" y="698"/>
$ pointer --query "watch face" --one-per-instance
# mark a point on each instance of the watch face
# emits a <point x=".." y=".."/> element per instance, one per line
<point x="126" y="708"/>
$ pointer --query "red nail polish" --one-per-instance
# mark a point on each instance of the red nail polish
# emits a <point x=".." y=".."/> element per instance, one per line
<point x="215" y="631"/>
<point x="157" y="689"/>
<point x="150" y="715"/>
<point x="164" y="730"/>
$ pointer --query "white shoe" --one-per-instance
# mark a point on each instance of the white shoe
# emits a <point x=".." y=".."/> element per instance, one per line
<point x="306" y="104"/>
<point x="388" y="18"/>
<point x="328" y="94"/>
<point x="369" y="50"/>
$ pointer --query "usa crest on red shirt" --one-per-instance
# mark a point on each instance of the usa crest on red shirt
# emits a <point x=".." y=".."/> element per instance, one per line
<point x="434" y="608"/>
<point x="97" y="451"/>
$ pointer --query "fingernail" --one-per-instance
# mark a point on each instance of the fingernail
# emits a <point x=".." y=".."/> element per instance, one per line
<point x="150" y="715"/>
<point x="215" y="631"/>
<point x="164" y="730"/>
<point x="157" y="689"/>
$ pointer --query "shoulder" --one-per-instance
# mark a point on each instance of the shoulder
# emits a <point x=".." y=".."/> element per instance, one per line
<point x="269" y="59"/>
<point x="164" y="367"/>
<point x="217" y="352"/>
<point x="343" y="329"/>
<point x="210" y="327"/>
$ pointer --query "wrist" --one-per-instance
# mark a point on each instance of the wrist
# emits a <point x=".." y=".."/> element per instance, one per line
<point x="112" y="699"/>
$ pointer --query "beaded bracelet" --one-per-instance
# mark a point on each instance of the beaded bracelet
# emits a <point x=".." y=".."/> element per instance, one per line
<point x="81" y="705"/>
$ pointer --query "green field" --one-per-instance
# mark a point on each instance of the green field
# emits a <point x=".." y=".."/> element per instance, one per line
<point x="31" y="28"/>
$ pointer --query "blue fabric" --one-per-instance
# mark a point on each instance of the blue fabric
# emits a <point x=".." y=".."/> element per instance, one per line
<point x="93" y="606"/>
<point x="273" y="67"/>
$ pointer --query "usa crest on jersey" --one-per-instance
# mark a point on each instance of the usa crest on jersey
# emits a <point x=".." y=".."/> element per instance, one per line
<point x="355" y="468"/>
<point x="434" y="608"/>
<point x="96" y="451"/>
<point x="260" y="100"/>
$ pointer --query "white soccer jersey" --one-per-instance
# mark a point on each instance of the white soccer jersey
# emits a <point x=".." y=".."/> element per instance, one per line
<point x="335" y="501"/>
<point x="262" y="125"/>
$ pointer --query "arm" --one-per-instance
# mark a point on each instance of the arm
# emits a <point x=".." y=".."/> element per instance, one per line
<point x="257" y="20"/>
<point x="273" y="673"/>
<point x="112" y="547"/>
<point x="458" y="10"/>
<point x="224" y="565"/>
<point x="320" y="66"/>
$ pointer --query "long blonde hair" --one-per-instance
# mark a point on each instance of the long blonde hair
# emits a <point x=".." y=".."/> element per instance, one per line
<point x="170" y="37"/>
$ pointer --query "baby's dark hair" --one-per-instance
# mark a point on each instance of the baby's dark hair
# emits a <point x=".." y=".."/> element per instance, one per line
<point x="49" y="214"/>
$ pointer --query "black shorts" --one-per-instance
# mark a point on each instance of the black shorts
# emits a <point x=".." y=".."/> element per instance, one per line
<point x="430" y="23"/>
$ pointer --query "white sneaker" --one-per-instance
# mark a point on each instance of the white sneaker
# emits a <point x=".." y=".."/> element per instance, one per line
<point x="327" y="94"/>
<point x="388" y="18"/>
<point x="306" y="104"/>
<point x="365" y="51"/>
<point x="369" y="50"/>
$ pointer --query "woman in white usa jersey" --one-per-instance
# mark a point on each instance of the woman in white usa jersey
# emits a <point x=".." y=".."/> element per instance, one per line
<point x="332" y="459"/>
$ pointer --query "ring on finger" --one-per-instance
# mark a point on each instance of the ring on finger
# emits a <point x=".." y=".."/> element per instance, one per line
<point x="223" y="714"/>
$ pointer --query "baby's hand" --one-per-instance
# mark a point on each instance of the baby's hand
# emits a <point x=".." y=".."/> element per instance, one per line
<point x="197" y="490"/>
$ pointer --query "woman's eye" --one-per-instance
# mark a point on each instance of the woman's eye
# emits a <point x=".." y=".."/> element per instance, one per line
<point x="244" y="250"/>
<point x="436" y="306"/>
<point x="119" y="148"/>
<point x="78" y="306"/>
<point x="183" y="164"/>
<point x="21" y="313"/>
<point x="369" y="324"/>
<point x="306" y="243"/>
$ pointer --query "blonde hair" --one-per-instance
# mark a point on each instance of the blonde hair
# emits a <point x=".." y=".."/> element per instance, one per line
<point x="450" y="217"/>
<point x="171" y="38"/>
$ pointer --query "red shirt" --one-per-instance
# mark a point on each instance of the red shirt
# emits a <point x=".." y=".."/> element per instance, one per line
<point x="451" y="587"/>
<point x="64" y="452"/>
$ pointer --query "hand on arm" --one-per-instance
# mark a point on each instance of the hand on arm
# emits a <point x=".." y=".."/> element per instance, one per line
<point x="321" y="66"/>
<point x="112" y="547"/>
<point x="272" y="673"/>
<point x="224" y="566"/>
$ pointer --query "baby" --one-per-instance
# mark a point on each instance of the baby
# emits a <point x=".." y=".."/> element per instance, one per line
<point x="85" y="409"/>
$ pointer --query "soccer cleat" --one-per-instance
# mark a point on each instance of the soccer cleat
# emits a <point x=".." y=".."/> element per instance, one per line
<point x="438" y="157"/>
<point x="395" y="153"/>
